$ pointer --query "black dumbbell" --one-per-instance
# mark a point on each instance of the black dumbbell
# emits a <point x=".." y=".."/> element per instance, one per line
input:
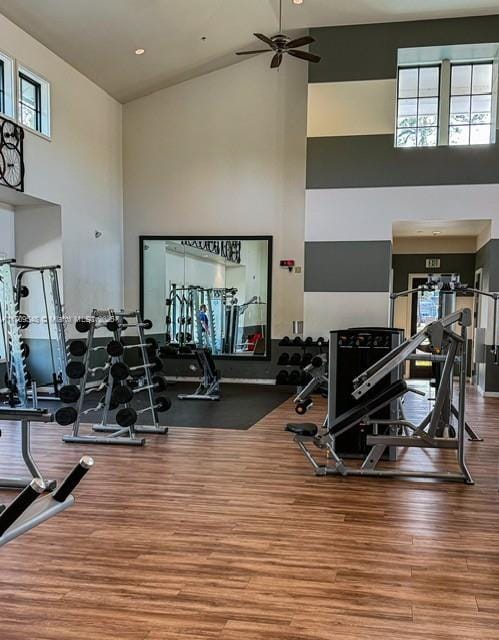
<point x="295" y="359"/>
<point x="297" y="341"/>
<point x="294" y="377"/>
<point x="78" y="348"/>
<point x="282" y="377"/>
<point x="317" y="361"/>
<point x="116" y="348"/>
<point x="66" y="415"/>
<point x="283" y="359"/>
<point x="82" y="325"/>
<point x="121" y="371"/>
<point x="128" y="417"/>
<point x="320" y="341"/>
<point x="69" y="394"/>
<point x="309" y="340"/>
<point x="284" y="342"/>
<point x="75" y="370"/>
<point x="124" y="394"/>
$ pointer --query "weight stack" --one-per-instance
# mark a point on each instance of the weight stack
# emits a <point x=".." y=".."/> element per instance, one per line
<point x="352" y="351"/>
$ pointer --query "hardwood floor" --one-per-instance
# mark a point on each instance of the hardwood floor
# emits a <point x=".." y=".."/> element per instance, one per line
<point x="229" y="535"/>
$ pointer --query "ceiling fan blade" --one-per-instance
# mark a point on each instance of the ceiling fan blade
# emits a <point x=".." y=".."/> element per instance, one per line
<point x="276" y="61"/>
<point x="245" y="53"/>
<point x="304" y="55"/>
<point x="265" y="39"/>
<point x="300" y="42"/>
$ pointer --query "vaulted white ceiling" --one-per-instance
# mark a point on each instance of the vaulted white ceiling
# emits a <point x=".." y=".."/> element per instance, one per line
<point x="99" y="37"/>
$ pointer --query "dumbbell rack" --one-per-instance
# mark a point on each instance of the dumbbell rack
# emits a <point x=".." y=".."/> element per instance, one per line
<point x="304" y="345"/>
<point x="117" y="435"/>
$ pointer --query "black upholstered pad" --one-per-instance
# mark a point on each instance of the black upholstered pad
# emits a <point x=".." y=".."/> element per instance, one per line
<point x="354" y="415"/>
<point x="303" y="429"/>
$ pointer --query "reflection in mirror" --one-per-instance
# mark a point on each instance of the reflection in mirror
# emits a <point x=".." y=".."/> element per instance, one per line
<point x="211" y="293"/>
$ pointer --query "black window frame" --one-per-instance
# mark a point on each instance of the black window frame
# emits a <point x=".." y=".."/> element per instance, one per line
<point x="432" y="65"/>
<point x="38" y="101"/>
<point x="471" y="64"/>
<point x="2" y="86"/>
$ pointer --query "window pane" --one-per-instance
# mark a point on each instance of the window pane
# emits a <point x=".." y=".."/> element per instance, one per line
<point x="460" y="110"/>
<point x="482" y="78"/>
<point x="427" y="137"/>
<point x="461" y="79"/>
<point x="480" y="134"/>
<point x="28" y="93"/>
<point x="481" y="108"/>
<point x="28" y="116"/>
<point x="408" y="83"/>
<point x="428" y="112"/>
<point x="406" y="138"/>
<point x="408" y="107"/>
<point x="459" y="135"/>
<point x="428" y="81"/>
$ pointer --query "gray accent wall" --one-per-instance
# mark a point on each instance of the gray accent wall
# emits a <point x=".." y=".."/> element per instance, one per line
<point x="369" y="51"/>
<point x="347" y="266"/>
<point x="373" y="161"/>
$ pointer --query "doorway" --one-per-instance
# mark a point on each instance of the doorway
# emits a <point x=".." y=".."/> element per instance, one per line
<point x="425" y="308"/>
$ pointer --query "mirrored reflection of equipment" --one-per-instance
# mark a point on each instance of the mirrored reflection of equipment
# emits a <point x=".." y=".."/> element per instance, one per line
<point x="209" y="387"/>
<point x="212" y="318"/>
<point x="380" y="386"/>
<point x="39" y="499"/>
<point x="15" y="295"/>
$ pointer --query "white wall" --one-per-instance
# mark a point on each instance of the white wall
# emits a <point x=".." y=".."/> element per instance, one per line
<point x="7" y="243"/>
<point x="221" y="154"/>
<point x="80" y="169"/>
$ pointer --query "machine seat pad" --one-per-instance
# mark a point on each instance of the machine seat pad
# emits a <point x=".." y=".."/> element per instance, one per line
<point x="308" y="429"/>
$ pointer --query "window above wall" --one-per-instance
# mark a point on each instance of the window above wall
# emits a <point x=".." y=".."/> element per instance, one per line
<point x="33" y="101"/>
<point x="447" y="96"/>
<point x="24" y="96"/>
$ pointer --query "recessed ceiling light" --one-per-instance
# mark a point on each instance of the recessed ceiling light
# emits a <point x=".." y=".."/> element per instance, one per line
<point x="139" y="52"/>
<point x="437" y="233"/>
<point x="297" y="1"/>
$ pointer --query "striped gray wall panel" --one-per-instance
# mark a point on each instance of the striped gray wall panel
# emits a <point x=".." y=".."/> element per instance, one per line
<point x="488" y="259"/>
<point x="373" y="161"/>
<point x="348" y="266"/>
<point x="369" y="51"/>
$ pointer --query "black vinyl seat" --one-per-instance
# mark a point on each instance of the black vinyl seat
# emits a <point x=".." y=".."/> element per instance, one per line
<point x="307" y="429"/>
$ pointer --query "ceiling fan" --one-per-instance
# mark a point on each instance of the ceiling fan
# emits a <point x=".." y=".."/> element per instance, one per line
<point x="281" y="44"/>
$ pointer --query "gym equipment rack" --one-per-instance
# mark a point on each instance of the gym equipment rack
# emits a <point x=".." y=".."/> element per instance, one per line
<point x="116" y="322"/>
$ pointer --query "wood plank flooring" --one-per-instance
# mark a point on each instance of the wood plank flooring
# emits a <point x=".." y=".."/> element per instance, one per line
<point x="216" y="534"/>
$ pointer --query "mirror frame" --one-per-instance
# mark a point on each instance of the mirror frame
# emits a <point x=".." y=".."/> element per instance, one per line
<point x="269" y="239"/>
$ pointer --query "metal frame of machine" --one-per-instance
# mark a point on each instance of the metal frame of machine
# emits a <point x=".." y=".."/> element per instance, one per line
<point x="434" y="432"/>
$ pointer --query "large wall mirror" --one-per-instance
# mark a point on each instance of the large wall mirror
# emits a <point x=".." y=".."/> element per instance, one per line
<point x="208" y="292"/>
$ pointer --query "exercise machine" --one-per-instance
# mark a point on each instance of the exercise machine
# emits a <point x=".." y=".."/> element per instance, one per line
<point x="209" y="387"/>
<point x="444" y="427"/>
<point x="13" y="291"/>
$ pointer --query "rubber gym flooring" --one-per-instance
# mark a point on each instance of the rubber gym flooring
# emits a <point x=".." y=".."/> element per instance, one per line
<point x="241" y="406"/>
